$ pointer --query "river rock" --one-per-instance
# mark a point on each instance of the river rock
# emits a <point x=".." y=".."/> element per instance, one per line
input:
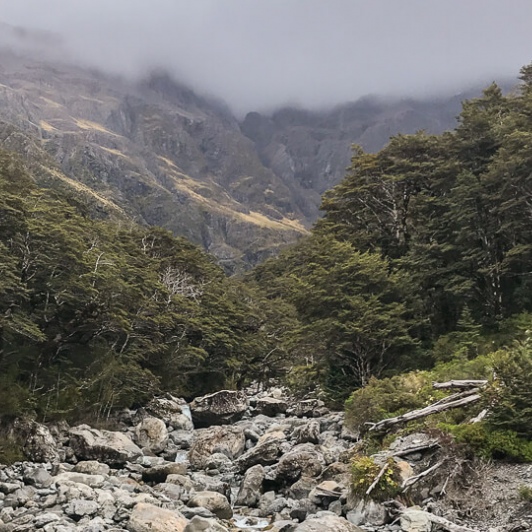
<point x="270" y="406"/>
<point x="298" y="463"/>
<point x="415" y="521"/>
<point x="366" y="512"/>
<point x="113" y="448"/>
<point x="202" y="524"/>
<point x="39" y="444"/>
<point x="326" y="492"/>
<point x="91" y="467"/>
<point x="307" y="433"/>
<point x="213" y="501"/>
<point x="250" y="489"/>
<point x="266" y="452"/>
<point x="307" y="408"/>
<point x="227" y="440"/>
<point x="159" y="473"/>
<point x="151" y="433"/>
<point x="149" y="518"/>
<point x="219" y="408"/>
<point x="329" y="523"/>
<point x="79" y="508"/>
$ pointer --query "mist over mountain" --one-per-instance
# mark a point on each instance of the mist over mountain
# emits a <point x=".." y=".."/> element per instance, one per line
<point x="258" y="56"/>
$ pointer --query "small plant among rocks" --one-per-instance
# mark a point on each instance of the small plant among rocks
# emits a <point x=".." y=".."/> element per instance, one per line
<point x="525" y="493"/>
<point x="381" y="482"/>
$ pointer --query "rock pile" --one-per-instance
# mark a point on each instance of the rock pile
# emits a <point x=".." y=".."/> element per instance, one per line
<point x="261" y="464"/>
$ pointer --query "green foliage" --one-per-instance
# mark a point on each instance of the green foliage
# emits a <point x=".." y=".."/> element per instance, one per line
<point x="10" y="451"/>
<point x="95" y="316"/>
<point x="525" y="493"/>
<point x="384" y="398"/>
<point x="364" y="471"/>
<point x="510" y="394"/>
<point x="488" y="443"/>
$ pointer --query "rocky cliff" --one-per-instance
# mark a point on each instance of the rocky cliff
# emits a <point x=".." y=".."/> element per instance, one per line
<point x="161" y="154"/>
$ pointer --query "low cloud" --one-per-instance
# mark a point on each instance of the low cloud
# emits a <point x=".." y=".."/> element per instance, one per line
<point x="259" y="54"/>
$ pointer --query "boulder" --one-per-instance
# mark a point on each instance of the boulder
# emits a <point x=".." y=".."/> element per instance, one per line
<point x="159" y="473"/>
<point x="307" y="433"/>
<point x="307" y="408"/>
<point x="202" y="524"/>
<point x="270" y="406"/>
<point x="213" y="501"/>
<point x="415" y="521"/>
<point x="151" y="433"/>
<point x="266" y="452"/>
<point x="250" y="489"/>
<point x="219" y="408"/>
<point x="113" y="448"/>
<point x="366" y="512"/>
<point x="326" y="492"/>
<point x="227" y="440"/>
<point x="329" y="523"/>
<point x="298" y="463"/>
<point x="173" y="411"/>
<point x="149" y="518"/>
<point x="39" y="444"/>
<point x="92" y="467"/>
<point x="78" y="508"/>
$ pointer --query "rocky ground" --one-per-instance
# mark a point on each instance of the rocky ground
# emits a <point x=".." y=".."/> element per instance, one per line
<point x="226" y="462"/>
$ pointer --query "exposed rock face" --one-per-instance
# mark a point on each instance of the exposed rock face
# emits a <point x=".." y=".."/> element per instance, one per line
<point x="241" y="190"/>
<point x="105" y="446"/>
<point x="218" y="408"/>
<point x="270" y="406"/>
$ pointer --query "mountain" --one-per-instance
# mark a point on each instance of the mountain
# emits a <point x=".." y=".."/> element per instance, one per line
<point x="157" y="152"/>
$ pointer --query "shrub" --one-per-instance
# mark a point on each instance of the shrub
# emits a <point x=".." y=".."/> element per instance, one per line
<point x="510" y="395"/>
<point x="10" y="451"/>
<point x="525" y="493"/>
<point x="386" y="398"/>
<point x="364" y="471"/>
<point x="487" y="443"/>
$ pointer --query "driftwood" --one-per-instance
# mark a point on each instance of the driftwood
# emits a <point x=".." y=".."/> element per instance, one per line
<point x="459" y="384"/>
<point x="412" y="480"/>
<point x="456" y="400"/>
<point x="480" y="417"/>
<point x="417" y="449"/>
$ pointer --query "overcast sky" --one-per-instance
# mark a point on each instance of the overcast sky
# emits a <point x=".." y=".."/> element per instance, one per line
<point x="257" y="54"/>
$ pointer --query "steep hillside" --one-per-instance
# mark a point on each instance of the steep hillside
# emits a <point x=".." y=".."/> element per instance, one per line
<point x="159" y="153"/>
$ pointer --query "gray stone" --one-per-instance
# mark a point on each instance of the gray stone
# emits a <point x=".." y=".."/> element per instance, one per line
<point x="201" y="524"/>
<point x="227" y="440"/>
<point x="149" y="518"/>
<point x="329" y="523"/>
<point x="151" y="433"/>
<point x="113" y="448"/>
<point x="213" y="501"/>
<point x="218" y="408"/>
<point x="250" y="489"/>
<point x="81" y="507"/>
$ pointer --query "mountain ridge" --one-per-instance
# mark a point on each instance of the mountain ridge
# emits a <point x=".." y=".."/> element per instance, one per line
<point x="163" y="155"/>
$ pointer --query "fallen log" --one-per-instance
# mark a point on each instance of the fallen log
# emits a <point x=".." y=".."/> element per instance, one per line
<point x="454" y="401"/>
<point x="417" y="449"/>
<point x="412" y="480"/>
<point x="459" y="384"/>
